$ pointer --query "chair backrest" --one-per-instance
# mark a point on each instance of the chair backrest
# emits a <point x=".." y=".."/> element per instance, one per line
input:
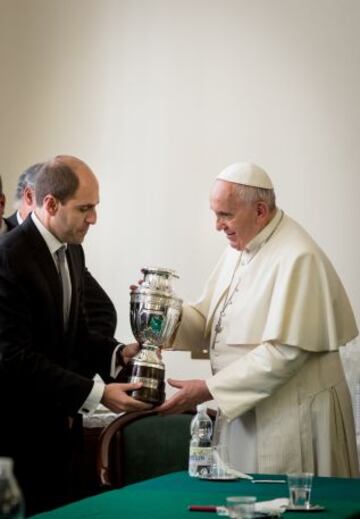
<point x="138" y="446"/>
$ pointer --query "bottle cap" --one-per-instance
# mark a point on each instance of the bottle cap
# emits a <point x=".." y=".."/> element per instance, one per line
<point x="201" y="407"/>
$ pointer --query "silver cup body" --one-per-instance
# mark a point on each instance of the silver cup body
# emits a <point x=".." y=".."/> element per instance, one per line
<point x="155" y="312"/>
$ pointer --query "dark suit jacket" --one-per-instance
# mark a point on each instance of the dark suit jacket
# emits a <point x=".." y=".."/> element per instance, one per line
<point x="100" y="311"/>
<point x="45" y="372"/>
<point x="11" y="221"/>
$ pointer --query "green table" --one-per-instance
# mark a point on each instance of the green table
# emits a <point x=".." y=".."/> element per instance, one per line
<point x="168" y="497"/>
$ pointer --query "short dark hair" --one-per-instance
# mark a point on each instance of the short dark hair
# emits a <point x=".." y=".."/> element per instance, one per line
<point x="56" y="178"/>
<point x="27" y="179"/>
<point x="1" y="191"/>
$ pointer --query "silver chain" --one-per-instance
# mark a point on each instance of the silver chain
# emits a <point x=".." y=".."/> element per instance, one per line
<point x="227" y="302"/>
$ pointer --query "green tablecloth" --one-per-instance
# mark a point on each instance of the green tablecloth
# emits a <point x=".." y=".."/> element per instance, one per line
<point x="168" y="497"/>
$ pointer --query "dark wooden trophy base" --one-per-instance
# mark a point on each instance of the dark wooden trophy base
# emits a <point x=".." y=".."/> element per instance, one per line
<point x="153" y="379"/>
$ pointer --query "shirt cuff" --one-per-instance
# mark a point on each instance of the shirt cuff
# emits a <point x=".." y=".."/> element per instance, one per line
<point x="117" y="362"/>
<point x="94" y="398"/>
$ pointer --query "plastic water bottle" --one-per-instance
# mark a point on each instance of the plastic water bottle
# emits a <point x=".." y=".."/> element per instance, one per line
<point x="200" y="452"/>
<point x="11" y="501"/>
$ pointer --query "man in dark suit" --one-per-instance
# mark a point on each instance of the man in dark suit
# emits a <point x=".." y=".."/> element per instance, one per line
<point x="100" y="311"/>
<point x="48" y="355"/>
<point x="24" y="196"/>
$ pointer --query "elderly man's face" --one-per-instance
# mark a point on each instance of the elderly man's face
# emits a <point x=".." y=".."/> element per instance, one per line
<point x="239" y="220"/>
<point x="28" y="202"/>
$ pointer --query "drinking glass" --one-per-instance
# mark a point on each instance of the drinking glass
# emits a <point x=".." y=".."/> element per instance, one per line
<point x="300" y="489"/>
<point x="220" y="462"/>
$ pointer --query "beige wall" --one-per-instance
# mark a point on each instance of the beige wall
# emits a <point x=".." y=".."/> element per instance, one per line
<point x="159" y="95"/>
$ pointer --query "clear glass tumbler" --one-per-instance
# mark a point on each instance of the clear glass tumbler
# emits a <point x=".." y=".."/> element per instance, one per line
<point x="300" y="489"/>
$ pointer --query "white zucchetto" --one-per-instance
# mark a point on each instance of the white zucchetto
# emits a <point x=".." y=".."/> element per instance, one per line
<point x="247" y="174"/>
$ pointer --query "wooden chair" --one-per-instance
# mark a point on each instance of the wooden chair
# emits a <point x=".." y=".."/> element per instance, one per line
<point x="143" y="445"/>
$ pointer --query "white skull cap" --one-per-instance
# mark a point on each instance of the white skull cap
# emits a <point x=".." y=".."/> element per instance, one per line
<point x="247" y="174"/>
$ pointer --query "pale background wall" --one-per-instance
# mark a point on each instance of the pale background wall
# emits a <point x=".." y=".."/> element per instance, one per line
<point x="158" y="95"/>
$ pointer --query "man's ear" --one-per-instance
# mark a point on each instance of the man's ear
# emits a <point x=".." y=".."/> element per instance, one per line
<point x="29" y="196"/>
<point x="262" y="210"/>
<point x="51" y="204"/>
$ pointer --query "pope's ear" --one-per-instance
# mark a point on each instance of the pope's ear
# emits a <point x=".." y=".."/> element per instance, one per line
<point x="51" y="204"/>
<point x="262" y="209"/>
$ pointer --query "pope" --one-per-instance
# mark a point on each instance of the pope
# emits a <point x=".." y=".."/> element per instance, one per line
<point x="273" y="316"/>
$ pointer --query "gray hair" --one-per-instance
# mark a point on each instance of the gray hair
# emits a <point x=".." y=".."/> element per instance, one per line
<point x="27" y="179"/>
<point x="250" y="195"/>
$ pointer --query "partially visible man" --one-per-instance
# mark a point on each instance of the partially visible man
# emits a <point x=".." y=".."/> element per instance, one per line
<point x="100" y="311"/>
<point x="3" y="224"/>
<point x="273" y="315"/>
<point x="24" y="196"/>
<point x="48" y="356"/>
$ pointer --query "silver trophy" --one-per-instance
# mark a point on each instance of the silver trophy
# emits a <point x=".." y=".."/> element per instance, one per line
<point x="154" y="315"/>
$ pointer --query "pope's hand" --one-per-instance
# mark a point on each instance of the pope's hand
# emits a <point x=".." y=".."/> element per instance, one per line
<point x="116" y="399"/>
<point x="190" y="394"/>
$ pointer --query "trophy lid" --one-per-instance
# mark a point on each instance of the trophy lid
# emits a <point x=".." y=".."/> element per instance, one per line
<point x="160" y="271"/>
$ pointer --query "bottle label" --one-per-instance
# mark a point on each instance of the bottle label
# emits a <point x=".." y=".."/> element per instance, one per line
<point x="200" y="461"/>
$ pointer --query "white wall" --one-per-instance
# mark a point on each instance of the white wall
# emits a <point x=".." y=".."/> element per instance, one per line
<point x="159" y="95"/>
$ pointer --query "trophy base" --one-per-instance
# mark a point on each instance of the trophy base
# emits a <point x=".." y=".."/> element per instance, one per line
<point x="153" y="379"/>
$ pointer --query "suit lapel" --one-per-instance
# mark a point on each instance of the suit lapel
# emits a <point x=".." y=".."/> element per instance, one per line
<point x="44" y="264"/>
<point x="11" y="221"/>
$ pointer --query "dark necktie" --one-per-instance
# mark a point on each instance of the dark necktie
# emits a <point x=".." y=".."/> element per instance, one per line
<point x="65" y="282"/>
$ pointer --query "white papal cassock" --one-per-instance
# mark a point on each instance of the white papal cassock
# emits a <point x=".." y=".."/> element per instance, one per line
<point x="277" y="376"/>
